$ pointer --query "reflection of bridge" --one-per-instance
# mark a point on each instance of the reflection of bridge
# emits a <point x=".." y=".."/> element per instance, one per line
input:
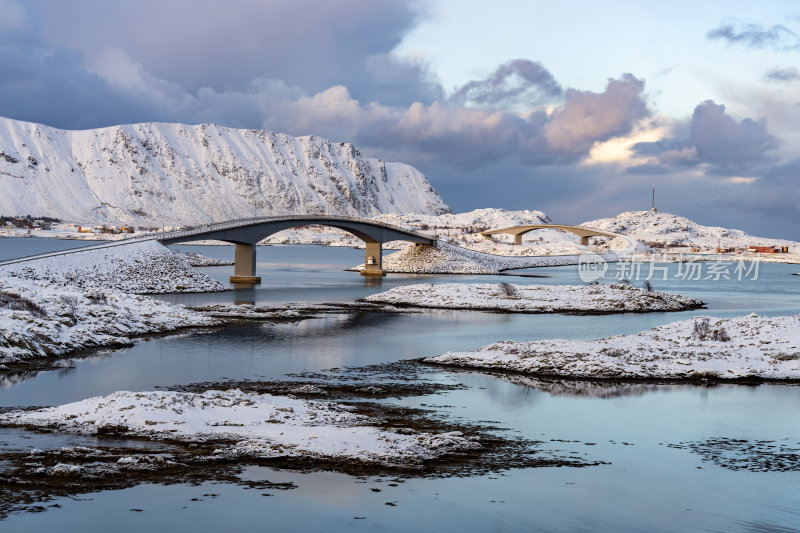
<point x="246" y="233"/>
<point x="583" y="232"/>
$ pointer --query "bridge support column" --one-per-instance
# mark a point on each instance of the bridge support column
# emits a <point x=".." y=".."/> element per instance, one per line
<point x="518" y="239"/>
<point x="585" y="241"/>
<point x="244" y="269"/>
<point x="373" y="261"/>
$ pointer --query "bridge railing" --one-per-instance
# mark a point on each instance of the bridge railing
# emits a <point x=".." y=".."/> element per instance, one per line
<point x="77" y="250"/>
<point x="216" y="226"/>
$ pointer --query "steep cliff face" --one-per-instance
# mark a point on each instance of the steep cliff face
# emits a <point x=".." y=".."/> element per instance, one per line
<point x="190" y="174"/>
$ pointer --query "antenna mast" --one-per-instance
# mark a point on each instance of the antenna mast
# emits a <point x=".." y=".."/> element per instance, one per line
<point x="653" y="202"/>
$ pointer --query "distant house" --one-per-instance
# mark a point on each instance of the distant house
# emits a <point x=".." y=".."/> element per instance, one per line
<point x="766" y="249"/>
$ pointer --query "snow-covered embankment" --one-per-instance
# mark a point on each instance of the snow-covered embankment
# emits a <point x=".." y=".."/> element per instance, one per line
<point x="52" y="306"/>
<point x="39" y="320"/>
<point x="140" y="267"/>
<point x="703" y="347"/>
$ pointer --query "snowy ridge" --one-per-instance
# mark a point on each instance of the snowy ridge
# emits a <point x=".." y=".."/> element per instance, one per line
<point x="246" y="425"/>
<point x="743" y="347"/>
<point x="674" y="230"/>
<point x="477" y="220"/>
<point x="153" y="172"/>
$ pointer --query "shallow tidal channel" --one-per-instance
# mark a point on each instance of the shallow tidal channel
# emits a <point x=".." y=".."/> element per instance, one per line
<point x="664" y="457"/>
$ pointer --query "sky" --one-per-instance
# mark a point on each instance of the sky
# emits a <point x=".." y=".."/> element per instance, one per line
<point x="574" y="108"/>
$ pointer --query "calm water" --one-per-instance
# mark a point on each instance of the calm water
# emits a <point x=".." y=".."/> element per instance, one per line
<point x="647" y="485"/>
<point x="13" y="247"/>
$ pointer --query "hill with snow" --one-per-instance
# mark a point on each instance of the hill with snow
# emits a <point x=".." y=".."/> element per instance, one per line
<point x="673" y="230"/>
<point x="178" y="174"/>
<point x="462" y="229"/>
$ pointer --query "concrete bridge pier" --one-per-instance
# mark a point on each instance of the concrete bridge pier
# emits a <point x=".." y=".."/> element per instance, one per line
<point x="585" y="240"/>
<point x="373" y="260"/>
<point x="244" y="269"/>
<point x="518" y="239"/>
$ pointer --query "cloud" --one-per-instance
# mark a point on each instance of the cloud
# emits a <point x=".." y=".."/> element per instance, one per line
<point x="730" y="147"/>
<point x="778" y="189"/>
<point x="53" y="87"/>
<point x="469" y="136"/>
<point x="62" y="88"/>
<point x="588" y="117"/>
<point x="517" y="84"/>
<point x="714" y="142"/>
<point x="782" y="75"/>
<point x="278" y="65"/>
<point x="770" y="201"/>
<point x="777" y="37"/>
<point x="13" y="15"/>
<point x="203" y="44"/>
<point x="394" y="80"/>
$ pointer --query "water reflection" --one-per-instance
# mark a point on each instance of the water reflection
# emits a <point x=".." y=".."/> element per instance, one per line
<point x="582" y="388"/>
<point x="373" y="281"/>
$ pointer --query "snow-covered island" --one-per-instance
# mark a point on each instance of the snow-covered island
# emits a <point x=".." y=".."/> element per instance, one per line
<point x="750" y="347"/>
<point x="243" y="425"/>
<point x="505" y="297"/>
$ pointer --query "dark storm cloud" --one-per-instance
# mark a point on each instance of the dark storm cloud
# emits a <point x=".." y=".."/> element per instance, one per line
<point x="393" y="80"/>
<point x="730" y="147"/>
<point x="777" y="189"/>
<point x="782" y="75"/>
<point x="715" y="142"/>
<point x="77" y="78"/>
<point x="226" y="45"/>
<point x="777" y="37"/>
<point x="768" y="204"/>
<point x="53" y="87"/>
<point x="517" y="83"/>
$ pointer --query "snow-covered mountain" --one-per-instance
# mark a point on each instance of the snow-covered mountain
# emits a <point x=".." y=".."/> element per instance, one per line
<point x="174" y="173"/>
<point x="674" y="230"/>
<point x="477" y="220"/>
